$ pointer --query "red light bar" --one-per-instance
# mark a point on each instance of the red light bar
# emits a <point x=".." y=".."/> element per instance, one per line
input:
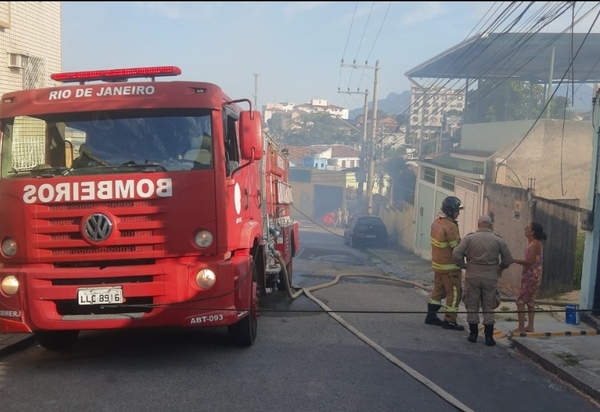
<point x="116" y="74"/>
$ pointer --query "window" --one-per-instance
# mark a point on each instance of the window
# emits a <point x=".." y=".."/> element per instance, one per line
<point x="428" y="175"/>
<point x="232" y="149"/>
<point x="448" y="181"/>
<point x="343" y="164"/>
<point x="103" y="143"/>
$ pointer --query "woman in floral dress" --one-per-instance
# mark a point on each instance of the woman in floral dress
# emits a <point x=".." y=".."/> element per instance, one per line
<point x="532" y="276"/>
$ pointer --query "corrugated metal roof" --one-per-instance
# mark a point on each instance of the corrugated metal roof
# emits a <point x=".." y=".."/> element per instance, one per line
<point x="525" y="56"/>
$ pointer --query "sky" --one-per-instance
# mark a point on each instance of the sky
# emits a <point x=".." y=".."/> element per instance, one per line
<point x="281" y="51"/>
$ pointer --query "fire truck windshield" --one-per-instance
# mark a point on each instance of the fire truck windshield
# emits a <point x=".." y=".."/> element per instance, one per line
<point x="105" y="143"/>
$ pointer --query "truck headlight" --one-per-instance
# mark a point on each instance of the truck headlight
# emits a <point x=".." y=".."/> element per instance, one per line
<point x="9" y="285"/>
<point x="206" y="278"/>
<point x="203" y="238"/>
<point x="9" y="247"/>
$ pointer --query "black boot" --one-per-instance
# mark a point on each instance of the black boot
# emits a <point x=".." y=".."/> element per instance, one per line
<point x="452" y="326"/>
<point x="489" y="335"/>
<point x="473" y="332"/>
<point x="432" y="318"/>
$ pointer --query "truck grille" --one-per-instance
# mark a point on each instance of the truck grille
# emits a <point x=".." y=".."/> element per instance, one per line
<point x="56" y="230"/>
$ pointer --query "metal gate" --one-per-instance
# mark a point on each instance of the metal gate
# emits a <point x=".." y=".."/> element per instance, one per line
<point x="560" y="222"/>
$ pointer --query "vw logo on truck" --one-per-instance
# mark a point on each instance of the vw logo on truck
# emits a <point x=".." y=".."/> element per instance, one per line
<point x="98" y="227"/>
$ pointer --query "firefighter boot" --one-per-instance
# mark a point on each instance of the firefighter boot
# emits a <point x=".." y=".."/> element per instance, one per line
<point x="452" y="326"/>
<point x="489" y="335"/>
<point x="432" y="318"/>
<point x="473" y="332"/>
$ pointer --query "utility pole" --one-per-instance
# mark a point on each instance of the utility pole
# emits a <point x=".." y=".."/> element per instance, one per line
<point x="256" y="90"/>
<point x="371" y="144"/>
<point x="361" y="176"/>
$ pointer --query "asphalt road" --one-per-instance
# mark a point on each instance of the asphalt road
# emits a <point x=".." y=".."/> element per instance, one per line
<point x="303" y="360"/>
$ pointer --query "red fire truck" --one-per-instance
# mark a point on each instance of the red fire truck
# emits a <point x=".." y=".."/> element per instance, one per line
<point x="129" y="202"/>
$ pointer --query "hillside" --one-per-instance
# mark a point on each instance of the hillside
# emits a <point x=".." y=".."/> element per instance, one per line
<point x="393" y="104"/>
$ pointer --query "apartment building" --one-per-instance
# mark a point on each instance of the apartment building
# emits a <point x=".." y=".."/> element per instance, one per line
<point x="433" y="111"/>
<point x="30" y="51"/>
<point x="30" y="44"/>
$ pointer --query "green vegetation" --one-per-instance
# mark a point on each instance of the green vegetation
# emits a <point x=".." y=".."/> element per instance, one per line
<point x="578" y="260"/>
<point x="501" y="101"/>
<point x="568" y="359"/>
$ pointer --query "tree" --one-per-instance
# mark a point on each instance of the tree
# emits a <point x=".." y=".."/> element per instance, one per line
<point x="276" y="126"/>
<point x="502" y="101"/>
<point x="320" y="128"/>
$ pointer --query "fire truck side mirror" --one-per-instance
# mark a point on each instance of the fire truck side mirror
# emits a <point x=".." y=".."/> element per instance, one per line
<point x="251" y="139"/>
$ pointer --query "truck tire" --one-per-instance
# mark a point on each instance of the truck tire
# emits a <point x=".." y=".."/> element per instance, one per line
<point x="243" y="333"/>
<point x="57" y="340"/>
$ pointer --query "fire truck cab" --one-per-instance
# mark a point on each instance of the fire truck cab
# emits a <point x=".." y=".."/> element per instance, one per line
<point x="138" y="203"/>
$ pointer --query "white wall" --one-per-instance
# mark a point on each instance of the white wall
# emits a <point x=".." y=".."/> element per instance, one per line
<point x="32" y="29"/>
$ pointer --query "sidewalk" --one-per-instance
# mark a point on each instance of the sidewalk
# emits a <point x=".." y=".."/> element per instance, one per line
<point x="571" y="352"/>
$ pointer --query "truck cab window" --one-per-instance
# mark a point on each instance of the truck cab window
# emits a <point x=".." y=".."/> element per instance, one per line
<point x="232" y="151"/>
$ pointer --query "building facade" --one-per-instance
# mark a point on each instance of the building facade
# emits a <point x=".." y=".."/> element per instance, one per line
<point x="30" y="44"/>
<point x="30" y="51"/>
<point x="433" y="111"/>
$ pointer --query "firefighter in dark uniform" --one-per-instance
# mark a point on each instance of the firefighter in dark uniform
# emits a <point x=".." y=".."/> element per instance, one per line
<point x="447" y="280"/>
<point x="487" y="255"/>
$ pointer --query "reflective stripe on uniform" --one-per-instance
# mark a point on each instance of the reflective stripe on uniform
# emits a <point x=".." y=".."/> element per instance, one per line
<point x="435" y="302"/>
<point x="453" y="243"/>
<point x="439" y="244"/>
<point x="453" y="308"/>
<point x="445" y="266"/>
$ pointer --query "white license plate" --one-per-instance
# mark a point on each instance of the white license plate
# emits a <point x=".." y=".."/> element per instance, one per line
<point x="100" y="296"/>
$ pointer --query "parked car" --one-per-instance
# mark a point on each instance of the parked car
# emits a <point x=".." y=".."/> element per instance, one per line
<point x="365" y="230"/>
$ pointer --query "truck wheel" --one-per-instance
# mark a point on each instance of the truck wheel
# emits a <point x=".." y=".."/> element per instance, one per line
<point x="57" y="340"/>
<point x="243" y="333"/>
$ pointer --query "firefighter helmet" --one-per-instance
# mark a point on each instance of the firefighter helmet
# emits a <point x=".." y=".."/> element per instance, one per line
<point x="450" y="205"/>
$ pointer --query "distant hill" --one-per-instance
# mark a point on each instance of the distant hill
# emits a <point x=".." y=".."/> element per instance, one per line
<point x="393" y="104"/>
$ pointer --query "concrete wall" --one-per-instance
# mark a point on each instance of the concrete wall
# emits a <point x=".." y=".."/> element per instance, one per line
<point x="559" y="161"/>
<point x="491" y="137"/>
<point x="511" y="214"/>
<point x="304" y="192"/>
<point x="400" y="225"/>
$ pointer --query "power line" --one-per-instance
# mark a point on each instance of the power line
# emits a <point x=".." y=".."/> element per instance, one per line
<point x="548" y="102"/>
<point x="361" y="40"/>
<point x="502" y="81"/>
<point x="347" y="41"/>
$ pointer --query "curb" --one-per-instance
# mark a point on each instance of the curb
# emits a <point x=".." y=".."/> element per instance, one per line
<point x="562" y="374"/>
<point x="554" y="334"/>
<point x="16" y="343"/>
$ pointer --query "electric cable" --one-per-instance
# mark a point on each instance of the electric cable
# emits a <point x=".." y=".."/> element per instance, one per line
<point x="548" y="102"/>
<point x="347" y="41"/>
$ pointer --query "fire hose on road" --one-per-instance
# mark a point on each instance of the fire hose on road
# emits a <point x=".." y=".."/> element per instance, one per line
<point x="307" y="291"/>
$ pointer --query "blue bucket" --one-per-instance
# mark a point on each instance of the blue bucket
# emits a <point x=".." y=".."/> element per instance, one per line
<point x="572" y="314"/>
